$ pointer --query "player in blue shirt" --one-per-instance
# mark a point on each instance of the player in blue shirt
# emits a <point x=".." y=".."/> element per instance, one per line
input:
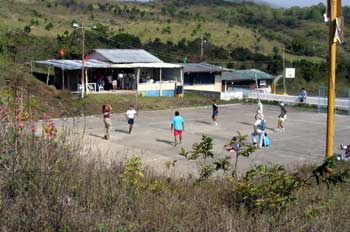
<point x="178" y="125"/>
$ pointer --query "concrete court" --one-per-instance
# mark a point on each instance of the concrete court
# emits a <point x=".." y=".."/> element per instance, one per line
<point x="302" y="142"/>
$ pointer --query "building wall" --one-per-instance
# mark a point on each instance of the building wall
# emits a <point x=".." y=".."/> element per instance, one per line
<point x="157" y="89"/>
<point x="216" y="87"/>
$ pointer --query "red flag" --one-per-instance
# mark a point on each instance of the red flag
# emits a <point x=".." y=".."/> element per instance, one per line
<point x="61" y="52"/>
<point x="86" y="57"/>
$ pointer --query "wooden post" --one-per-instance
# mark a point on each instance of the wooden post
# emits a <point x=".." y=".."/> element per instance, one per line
<point x="82" y="62"/>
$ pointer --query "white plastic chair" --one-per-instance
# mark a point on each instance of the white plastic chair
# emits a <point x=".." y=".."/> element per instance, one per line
<point x="101" y="88"/>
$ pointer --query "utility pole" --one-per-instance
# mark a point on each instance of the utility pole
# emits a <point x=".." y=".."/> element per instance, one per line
<point x="284" y="73"/>
<point x="83" y="62"/>
<point x="82" y="27"/>
<point x="331" y="77"/>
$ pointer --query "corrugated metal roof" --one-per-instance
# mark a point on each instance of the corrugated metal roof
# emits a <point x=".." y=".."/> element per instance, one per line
<point x="146" y="65"/>
<point x="75" y="64"/>
<point x="91" y="63"/>
<point x="201" y="68"/>
<point x="122" y="56"/>
<point x="246" y="75"/>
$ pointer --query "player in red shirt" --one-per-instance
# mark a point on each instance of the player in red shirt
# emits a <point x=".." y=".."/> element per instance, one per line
<point x="106" y="110"/>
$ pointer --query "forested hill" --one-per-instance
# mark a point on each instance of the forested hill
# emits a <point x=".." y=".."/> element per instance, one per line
<point x="236" y="34"/>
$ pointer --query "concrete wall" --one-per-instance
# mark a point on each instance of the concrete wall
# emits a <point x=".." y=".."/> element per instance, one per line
<point x="157" y="89"/>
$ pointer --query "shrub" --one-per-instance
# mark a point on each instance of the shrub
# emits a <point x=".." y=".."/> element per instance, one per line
<point x="266" y="188"/>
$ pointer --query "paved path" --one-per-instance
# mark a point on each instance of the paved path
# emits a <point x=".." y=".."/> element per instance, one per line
<point x="302" y="142"/>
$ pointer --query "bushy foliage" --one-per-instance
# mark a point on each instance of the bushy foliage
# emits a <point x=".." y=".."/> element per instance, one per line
<point x="266" y="188"/>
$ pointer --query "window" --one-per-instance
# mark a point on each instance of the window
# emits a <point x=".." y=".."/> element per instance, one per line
<point x="199" y="79"/>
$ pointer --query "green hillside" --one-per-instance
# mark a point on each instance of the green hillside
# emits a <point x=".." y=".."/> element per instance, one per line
<point x="236" y="35"/>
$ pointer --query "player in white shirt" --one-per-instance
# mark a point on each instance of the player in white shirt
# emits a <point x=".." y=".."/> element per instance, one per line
<point x="130" y="115"/>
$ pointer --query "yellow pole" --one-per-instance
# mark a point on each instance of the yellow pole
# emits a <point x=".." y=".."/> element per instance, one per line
<point x="331" y="79"/>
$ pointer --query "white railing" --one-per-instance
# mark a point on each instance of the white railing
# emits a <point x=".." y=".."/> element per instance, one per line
<point x="340" y="103"/>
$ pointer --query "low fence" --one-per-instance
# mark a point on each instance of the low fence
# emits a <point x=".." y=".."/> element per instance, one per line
<point x="320" y="102"/>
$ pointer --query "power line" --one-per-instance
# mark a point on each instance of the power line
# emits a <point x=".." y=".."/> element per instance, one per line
<point x="171" y="54"/>
<point x="158" y="51"/>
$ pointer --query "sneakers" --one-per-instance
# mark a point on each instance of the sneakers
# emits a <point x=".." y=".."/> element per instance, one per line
<point x="216" y="123"/>
<point x="343" y="147"/>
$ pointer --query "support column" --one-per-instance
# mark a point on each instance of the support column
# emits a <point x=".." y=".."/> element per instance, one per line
<point x="86" y="82"/>
<point x="160" y="82"/>
<point x="138" y="79"/>
<point x="48" y="75"/>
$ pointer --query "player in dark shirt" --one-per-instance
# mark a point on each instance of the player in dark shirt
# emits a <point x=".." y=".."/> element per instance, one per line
<point x="215" y="112"/>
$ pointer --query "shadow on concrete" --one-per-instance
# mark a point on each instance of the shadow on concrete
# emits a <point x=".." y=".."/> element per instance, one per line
<point x="165" y="141"/>
<point x="204" y="122"/>
<point x="122" y="131"/>
<point x="251" y="124"/>
<point x="97" y="136"/>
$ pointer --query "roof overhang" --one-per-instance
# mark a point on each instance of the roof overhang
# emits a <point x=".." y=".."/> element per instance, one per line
<point x="91" y="63"/>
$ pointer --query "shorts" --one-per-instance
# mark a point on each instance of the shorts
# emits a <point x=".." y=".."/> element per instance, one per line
<point x="177" y="132"/>
<point x="283" y="119"/>
<point x="108" y="123"/>
<point x="130" y="121"/>
<point x="215" y="113"/>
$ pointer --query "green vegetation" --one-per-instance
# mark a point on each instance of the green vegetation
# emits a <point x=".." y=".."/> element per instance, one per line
<point x="46" y="186"/>
<point x="238" y="35"/>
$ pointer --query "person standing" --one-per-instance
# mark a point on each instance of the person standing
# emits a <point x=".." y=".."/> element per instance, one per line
<point x="106" y="111"/>
<point x="302" y="95"/>
<point x="114" y="85"/>
<point x="215" y="112"/>
<point x="130" y="116"/>
<point x="259" y="130"/>
<point x="282" y="117"/>
<point x="178" y="125"/>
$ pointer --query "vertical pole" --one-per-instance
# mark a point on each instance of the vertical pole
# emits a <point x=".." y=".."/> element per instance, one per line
<point x="257" y="87"/>
<point x="331" y="79"/>
<point x="137" y="85"/>
<point x="31" y="68"/>
<point x="202" y="47"/>
<point x="160" y="82"/>
<point x="48" y="75"/>
<point x="86" y="82"/>
<point x="284" y="74"/>
<point x="62" y="74"/>
<point x="82" y="62"/>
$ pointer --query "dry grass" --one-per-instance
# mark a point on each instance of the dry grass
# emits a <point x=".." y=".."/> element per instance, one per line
<point x="45" y="186"/>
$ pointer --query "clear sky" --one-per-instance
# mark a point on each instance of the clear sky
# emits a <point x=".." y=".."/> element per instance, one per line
<point x="289" y="3"/>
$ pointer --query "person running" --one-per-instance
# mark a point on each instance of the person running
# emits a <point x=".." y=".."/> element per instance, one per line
<point x="282" y="117"/>
<point x="130" y="116"/>
<point x="215" y="112"/>
<point x="178" y="125"/>
<point x="106" y="111"/>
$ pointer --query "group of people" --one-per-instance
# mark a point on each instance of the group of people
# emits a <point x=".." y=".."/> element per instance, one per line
<point x="260" y="125"/>
<point x="178" y="123"/>
<point x="106" y="111"/>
